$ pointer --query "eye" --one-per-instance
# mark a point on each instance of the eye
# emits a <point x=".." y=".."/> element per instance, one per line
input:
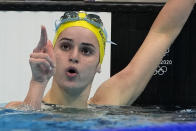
<point x="87" y="51"/>
<point x="65" y="46"/>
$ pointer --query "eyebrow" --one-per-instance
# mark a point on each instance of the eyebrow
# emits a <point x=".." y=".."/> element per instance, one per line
<point x="64" y="38"/>
<point x="83" y="43"/>
<point x="88" y="44"/>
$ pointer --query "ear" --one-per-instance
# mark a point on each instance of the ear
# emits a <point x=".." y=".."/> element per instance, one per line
<point x="99" y="68"/>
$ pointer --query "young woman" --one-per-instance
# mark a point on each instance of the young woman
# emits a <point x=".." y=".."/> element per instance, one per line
<point x="77" y="53"/>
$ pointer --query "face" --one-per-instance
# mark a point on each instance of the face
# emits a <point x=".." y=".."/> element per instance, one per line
<point x="77" y="58"/>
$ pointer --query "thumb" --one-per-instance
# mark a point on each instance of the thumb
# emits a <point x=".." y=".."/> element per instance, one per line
<point x="50" y="50"/>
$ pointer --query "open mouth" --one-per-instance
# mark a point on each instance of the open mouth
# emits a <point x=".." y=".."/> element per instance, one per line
<point x="71" y="72"/>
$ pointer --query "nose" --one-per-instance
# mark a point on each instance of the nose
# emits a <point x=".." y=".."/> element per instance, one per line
<point x="74" y="56"/>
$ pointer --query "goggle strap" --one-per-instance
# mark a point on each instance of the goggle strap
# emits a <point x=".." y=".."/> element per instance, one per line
<point x="106" y="35"/>
<point x="111" y="42"/>
<point x="105" y="32"/>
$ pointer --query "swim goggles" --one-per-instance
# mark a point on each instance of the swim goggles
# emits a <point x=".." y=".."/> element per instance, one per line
<point x="74" y="16"/>
<point x="93" y="19"/>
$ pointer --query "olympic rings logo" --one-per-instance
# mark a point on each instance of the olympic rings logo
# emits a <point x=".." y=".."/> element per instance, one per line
<point x="160" y="70"/>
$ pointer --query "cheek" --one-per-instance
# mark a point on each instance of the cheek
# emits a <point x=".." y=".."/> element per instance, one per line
<point x="94" y="59"/>
<point x="60" y="61"/>
<point x="90" y="69"/>
<point x="92" y="64"/>
<point x="60" y="56"/>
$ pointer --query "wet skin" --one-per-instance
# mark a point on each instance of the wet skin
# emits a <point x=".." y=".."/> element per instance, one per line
<point x="77" y="58"/>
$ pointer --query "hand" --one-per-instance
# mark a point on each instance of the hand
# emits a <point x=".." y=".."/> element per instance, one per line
<point x="42" y="60"/>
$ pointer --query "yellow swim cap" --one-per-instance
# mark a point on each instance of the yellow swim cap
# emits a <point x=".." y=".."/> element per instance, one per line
<point x="83" y="21"/>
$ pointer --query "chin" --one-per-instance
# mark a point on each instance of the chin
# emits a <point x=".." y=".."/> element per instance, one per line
<point x="73" y="88"/>
<point x="72" y="85"/>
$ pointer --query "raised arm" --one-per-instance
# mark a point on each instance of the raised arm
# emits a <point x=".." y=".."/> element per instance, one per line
<point x="124" y="87"/>
<point x="42" y="64"/>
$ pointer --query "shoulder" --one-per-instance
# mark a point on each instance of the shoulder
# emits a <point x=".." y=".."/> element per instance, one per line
<point x="14" y="104"/>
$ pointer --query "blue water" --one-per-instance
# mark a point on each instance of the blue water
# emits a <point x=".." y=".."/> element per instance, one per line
<point x="99" y="118"/>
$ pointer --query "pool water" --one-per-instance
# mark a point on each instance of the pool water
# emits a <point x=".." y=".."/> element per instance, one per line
<point x="99" y="118"/>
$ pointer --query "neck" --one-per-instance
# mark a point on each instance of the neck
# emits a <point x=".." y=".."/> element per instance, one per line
<point x="68" y="97"/>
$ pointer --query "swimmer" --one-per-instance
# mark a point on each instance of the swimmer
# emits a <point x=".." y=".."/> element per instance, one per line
<point x="76" y="55"/>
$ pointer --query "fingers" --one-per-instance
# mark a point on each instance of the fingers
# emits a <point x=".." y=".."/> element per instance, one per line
<point x="42" y="67"/>
<point x="41" y="58"/>
<point x="43" y="63"/>
<point x="50" y="48"/>
<point x="43" y="40"/>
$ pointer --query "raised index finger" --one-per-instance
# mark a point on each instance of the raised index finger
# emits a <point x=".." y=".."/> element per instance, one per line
<point x="43" y="39"/>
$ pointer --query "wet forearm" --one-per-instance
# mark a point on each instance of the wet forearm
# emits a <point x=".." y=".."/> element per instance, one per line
<point x="35" y="94"/>
<point x="173" y="16"/>
<point x="164" y="31"/>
